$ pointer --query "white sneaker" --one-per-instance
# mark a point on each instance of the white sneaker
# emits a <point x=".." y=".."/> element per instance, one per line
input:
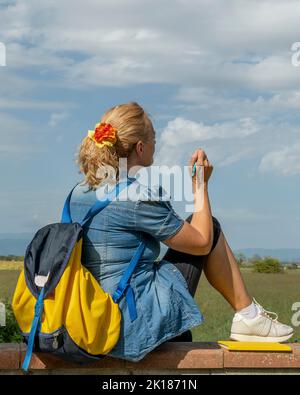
<point x="261" y="328"/>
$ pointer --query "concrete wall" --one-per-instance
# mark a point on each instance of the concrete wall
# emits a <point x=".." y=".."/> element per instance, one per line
<point x="170" y="358"/>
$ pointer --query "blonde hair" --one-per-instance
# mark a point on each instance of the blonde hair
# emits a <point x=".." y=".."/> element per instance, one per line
<point x="133" y="124"/>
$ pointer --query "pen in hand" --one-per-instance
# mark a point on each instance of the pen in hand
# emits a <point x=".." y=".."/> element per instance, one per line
<point x="194" y="170"/>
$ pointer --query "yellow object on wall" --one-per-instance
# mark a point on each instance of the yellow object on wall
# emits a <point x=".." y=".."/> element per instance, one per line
<point x="254" y="346"/>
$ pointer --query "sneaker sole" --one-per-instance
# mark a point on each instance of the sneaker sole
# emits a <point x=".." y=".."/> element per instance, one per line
<point x="249" y="338"/>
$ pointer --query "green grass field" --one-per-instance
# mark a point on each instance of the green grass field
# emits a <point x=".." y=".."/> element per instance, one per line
<point x="276" y="292"/>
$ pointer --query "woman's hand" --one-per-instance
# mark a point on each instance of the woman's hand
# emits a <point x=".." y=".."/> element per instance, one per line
<point x="200" y="158"/>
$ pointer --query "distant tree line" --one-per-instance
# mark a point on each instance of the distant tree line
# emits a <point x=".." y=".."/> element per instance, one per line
<point x="11" y="258"/>
<point x="265" y="265"/>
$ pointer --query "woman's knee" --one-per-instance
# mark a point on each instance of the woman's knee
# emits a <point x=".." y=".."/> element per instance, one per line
<point x="216" y="223"/>
<point x="216" y="230"/>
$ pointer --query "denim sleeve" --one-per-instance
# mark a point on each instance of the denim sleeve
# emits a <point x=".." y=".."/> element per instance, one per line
<point x="157" y="217"/>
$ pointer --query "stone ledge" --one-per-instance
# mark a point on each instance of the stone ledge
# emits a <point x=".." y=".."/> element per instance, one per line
<point x="173" y="356"/>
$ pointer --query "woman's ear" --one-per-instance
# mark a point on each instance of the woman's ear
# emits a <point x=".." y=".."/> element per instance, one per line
<point x="139" y="147"/>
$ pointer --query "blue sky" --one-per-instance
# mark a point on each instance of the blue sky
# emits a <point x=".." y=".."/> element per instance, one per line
<point x="212" y="74"/>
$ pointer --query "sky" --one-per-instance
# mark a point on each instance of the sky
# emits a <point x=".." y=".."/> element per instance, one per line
<point x="212" y="74"/>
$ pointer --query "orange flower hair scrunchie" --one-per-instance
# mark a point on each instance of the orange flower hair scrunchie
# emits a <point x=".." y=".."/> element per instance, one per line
<point x="104" y="134"/>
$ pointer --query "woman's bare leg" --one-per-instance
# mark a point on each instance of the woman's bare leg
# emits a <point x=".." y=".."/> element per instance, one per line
<point x="223" y="273"/>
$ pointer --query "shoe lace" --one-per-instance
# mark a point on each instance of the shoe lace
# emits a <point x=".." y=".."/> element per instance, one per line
<point x="265" y="312"/>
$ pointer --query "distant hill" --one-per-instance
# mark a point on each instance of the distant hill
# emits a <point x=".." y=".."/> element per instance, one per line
<point x="283" y="254"/>
<point x="16" y="244"/>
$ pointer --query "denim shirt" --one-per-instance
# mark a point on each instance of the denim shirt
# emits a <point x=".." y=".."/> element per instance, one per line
<point x="165" y="308"/>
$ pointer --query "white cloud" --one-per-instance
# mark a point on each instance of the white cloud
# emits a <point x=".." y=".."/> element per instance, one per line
<point x="199" y="43"/>
<point x="274" y="72"/>
<point x="228" y="142"/>
<point x="182" y="136"/>
<point x="214" y="52"/>
<point x="180" y="131"/>
<point x="284" y="161"/>
<point x="110" y="72"/>
<point x="210" y="103"/>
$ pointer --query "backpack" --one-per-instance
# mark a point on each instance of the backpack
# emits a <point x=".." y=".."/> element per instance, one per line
<point x="58" y="304"/>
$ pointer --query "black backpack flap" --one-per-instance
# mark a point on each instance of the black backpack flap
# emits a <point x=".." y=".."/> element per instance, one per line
<point x="49" y="253"/>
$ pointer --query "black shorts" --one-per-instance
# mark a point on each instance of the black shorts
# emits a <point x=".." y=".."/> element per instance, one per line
<point x="191" y="268"/>
<point x="191" y="265"/>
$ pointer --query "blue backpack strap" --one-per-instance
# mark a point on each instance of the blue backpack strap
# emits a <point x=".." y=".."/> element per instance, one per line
<point x="124" y="284"/>
<point x="38" y="311"/>
<point x="101" y="204"/>
<point x="66" y="215"/>
<point x="97" y="207"/>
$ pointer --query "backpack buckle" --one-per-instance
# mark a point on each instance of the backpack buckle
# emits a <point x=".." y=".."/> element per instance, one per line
<point x="40" y="281"/>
